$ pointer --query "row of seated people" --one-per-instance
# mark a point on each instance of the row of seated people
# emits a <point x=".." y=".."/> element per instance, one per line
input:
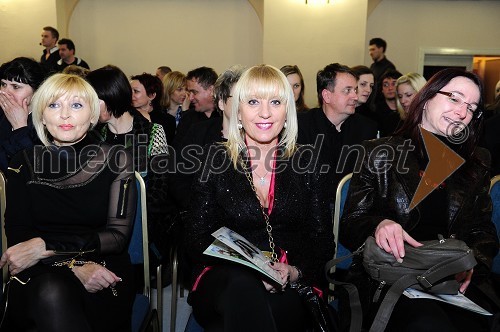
<point x="260" y="183"/>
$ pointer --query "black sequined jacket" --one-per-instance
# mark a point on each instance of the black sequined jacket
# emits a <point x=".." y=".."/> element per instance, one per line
<point x="375" y="196"/>
<point x="300" y="218"/>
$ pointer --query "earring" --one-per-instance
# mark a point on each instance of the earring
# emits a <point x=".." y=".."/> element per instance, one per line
<point x="284" y="125"/>
<point x="240" y="125"/>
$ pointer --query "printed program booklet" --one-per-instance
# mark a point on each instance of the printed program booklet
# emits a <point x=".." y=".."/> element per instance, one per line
<point x="234" y="247"/>
<point x="459" y="300"/>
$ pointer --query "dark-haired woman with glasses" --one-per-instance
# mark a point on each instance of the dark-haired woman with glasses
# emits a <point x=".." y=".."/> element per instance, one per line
<point x="449" y="108"/>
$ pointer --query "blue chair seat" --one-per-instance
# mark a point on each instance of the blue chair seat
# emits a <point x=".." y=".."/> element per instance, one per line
<point x="140" y="310"/>
<point x="192" y="325"/>
<point x="495" y="216"/>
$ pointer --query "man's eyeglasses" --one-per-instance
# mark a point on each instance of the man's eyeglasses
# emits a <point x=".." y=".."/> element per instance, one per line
<point x="456" y="99"/>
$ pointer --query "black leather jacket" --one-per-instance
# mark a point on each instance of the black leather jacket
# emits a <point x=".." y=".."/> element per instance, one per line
<point x="375" y="196"/>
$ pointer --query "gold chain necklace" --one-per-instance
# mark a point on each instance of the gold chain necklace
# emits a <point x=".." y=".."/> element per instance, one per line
<point x="269" y="228"/>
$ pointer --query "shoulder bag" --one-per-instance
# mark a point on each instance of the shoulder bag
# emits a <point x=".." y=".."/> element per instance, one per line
<point x="430" y="267"/>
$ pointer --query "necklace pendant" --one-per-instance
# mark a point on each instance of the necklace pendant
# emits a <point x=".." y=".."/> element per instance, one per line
<point x="262" y="181"/>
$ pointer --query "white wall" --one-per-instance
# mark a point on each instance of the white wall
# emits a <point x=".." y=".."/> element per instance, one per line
<point x="408" y="26"/>
<point x="140" y="35"/>
<point x="21" y="23"/>
<point x="312" y="36"/>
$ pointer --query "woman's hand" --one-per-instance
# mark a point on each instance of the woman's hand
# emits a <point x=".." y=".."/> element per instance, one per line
<point x="287" y="274"/>
<point x="95" y="277"/>
<point x="15" y="113"/>
<point x="464" y="278"/>
<point x="187" y="102"/>
<point x="24" y="255"/>
<point x="390" y="236"/>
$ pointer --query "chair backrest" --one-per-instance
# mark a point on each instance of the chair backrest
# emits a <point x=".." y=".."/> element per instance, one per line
<point x="495" y="215"/>
<point x="340" y="197"/>
<point x="143" y="315"/>
<point x="138" y="246"/>
<point x="3" y="199"/>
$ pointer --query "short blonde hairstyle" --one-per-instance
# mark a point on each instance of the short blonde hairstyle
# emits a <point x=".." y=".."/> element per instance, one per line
<point x="171" y="82"/>
<point x="416" y="81"/>
<point x="52" y="89"/>
<point x="76" y="70"/>
<point x="263" y="81"/>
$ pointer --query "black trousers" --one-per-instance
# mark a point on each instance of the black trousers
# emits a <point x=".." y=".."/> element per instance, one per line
<point x="412" y="315"/>
<point x="233" y="298"/>
<point x="58" y="302"/>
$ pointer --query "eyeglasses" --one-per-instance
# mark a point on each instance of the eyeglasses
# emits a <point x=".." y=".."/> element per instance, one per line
<point x="456" y="99"/>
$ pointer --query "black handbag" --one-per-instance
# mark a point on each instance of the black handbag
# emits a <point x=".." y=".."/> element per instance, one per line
<point x="320" y="314"/>
<point x="430" y="267"/>
<point x="426" y="267"/>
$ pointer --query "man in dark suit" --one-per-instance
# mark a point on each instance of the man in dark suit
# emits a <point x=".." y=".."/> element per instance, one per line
<point x="334" y="129"/>
<point x="381" y="64"/>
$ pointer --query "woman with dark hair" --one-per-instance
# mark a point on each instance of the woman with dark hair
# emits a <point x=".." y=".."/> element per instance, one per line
<point x="296" y="80"/>
<point x="121" y="124"/>
<point x="19" y="79"/>
<point x="366" y="83"/>
<point x="449" y="107"/>
<point x="147" y="92"/>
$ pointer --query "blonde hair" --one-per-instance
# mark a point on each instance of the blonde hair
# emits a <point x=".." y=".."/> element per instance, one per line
<point x="171" y="82"/>
<point x="416" y="81"/>
<point x="76" y="70"/>
<point x="263" y="81"/>
<point x="52" y="89"/>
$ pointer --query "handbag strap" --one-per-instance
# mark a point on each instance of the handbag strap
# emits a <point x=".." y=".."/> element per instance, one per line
<point x="352" y="291"/>
<point x="426" y="280"/>
<point x="332" y="262"/>
<point x="269" y="228"/>
<point x="354" y="303"/>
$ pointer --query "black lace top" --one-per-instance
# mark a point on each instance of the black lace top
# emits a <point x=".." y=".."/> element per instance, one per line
<point x="76" y="198"/>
